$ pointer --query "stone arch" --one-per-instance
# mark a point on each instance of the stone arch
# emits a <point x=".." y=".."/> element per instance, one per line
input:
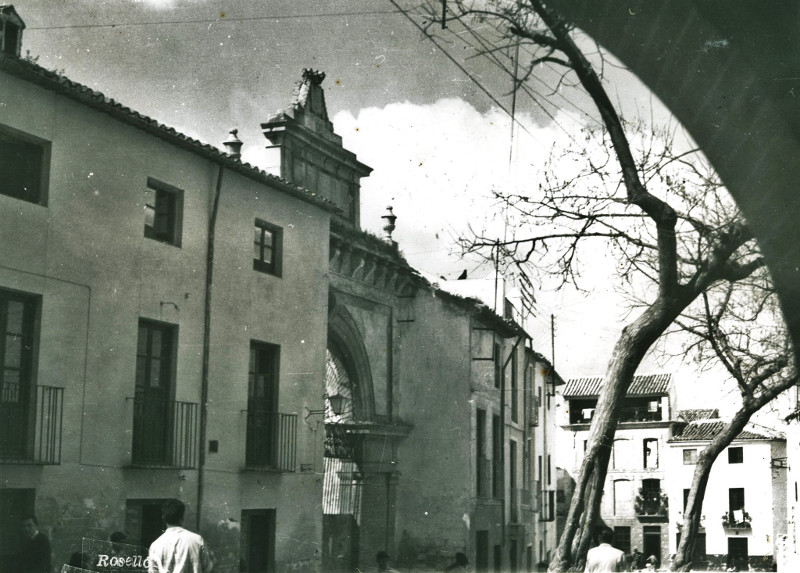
<point x="346" y="351"/>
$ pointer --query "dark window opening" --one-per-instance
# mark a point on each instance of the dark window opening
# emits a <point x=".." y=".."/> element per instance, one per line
<point x="514" y="388"/>
<point x="497" y="458"/>
<point x="162" y="212"/>
<point x="17" y="391"/>
<point x="24" y="166"/>
<point x="498" y="365"/>
<point x="482" y="464"/>
<point x="268" y="247"/>
<point x="262" y="405"/>
<point x="622" y="538"/>
<point x="154" y="410"/>
<point x="15" y="504"/>
<point x="736" y="455"/>
<point x="689" y="457"/>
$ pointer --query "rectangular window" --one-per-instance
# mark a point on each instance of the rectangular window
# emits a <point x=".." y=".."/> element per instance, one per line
<point x="17" y="391"/>
<point x="268" y="248"/>
<point x="258" y="541"/>
<point x="650" y="453"/>
<point x="262" y="405"/>
<point x="482" y="464"/>
<point x="498" y="365"/>
<point x="622" y="538"/>
<point x="163" y="207"/>
<point x="685" y="499"/>
<point x="24" y="166"/>
<point x="497" y="458"/>
<point x="514" y="388"/>
<point x="153" y="411"/>
<point x="735" y="455"/>
<point x="689" y="456"/>
<point x="549" y="470"/>
<point x="736" y="504"/>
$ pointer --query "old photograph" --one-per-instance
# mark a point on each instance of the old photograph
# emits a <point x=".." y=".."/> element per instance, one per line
<point x="399" y="285"/>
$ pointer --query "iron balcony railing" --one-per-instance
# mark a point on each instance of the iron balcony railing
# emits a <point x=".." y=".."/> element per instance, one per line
<point x="339" y="443"/>
<point x="484" y="478"/>
<point x="639" y="414"/>
<point x="165" y="432"/>
<point x="271" y="441"/>
<point x="31" y="423"/>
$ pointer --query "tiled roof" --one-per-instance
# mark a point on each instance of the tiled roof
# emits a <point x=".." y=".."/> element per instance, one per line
<point x="47" y="79"/>
<point x="707" y="430"/>
<point x="698" y="414"/>
<point x="643" y="385"/>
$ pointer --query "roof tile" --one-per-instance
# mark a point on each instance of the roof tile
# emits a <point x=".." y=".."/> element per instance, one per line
<point x="643" y="385"/>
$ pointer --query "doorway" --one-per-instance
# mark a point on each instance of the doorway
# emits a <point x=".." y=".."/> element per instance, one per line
<point x="651" y="541"/>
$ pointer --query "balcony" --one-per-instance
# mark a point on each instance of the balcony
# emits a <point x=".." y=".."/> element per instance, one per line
<point x="339" y="443"/>
<point x="641" y="414"/>
<point x="30" y="424"/>
<point x="165" y="432"/>
<point x="736" y="520"/>
<point x="651" y="505"/>
<point x="271" y="441"/>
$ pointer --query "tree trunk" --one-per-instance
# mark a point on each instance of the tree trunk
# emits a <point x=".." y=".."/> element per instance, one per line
<point x="584" y="508"/>
<point x="694" y="504"/>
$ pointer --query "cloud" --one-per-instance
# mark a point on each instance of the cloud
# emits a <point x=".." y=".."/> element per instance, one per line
<point x="438" y="165"/>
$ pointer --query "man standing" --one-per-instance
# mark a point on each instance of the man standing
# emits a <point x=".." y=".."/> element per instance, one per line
<point x="178" y="550"/>
<point x="604" y="557"/>
<point x="35" y="554"/>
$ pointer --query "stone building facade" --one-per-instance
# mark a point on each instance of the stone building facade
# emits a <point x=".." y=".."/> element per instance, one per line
<point x="635" y="502"/>
<point x="123" y="383"/>
<point x="177" y="323"/>
<point x="744" y="509"/>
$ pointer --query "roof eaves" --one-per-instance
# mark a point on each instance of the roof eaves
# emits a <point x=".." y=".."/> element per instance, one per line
<point x="36" y="74"/>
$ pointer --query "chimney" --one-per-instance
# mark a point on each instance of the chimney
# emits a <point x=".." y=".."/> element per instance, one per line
<point x="388" y="228"/>
<point x="11" y="27"/>
<point x="233" y="145"/>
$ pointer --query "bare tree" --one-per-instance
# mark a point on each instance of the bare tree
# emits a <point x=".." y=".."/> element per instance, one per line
<point x="676" y="230"/>
<point x="738" y="325"/>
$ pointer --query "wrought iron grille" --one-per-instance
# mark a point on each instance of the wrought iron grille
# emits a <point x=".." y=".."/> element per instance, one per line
<point x="31" y="423"/>
<point x="271" y="441"/>
<point x="165" y="432"/>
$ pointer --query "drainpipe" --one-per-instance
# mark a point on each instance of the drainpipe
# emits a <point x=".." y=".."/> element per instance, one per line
<point x="233" y="147"/>
<point x="212" y="224"/>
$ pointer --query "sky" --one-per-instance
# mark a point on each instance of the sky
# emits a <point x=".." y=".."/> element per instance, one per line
<point x="439" y="145"/>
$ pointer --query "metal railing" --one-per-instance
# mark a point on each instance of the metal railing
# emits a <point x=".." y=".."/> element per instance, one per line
<point x="271" y="441"/>
<point x="165" y="432"/>
<point x="31" y="424"/>
<point x="639" y="414"/>
<point x="338" y="443"/>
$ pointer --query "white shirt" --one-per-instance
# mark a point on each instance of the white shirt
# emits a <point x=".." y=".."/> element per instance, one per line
<point x="604" y="557"/>
<point x="179" y="551"/>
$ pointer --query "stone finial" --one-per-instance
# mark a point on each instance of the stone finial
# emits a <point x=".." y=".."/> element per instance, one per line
<point x="233" y="145"/>
<point x="388" y="228"/>
<point x="314" y="77"/>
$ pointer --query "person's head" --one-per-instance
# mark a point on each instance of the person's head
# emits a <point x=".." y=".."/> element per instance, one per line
<point x="30" y="526"/>
<point x="605" y="535"/>
<point x="461" y="559"/>
<point x="172" y="512"/>
<point x="382" y="559"/>
<point x="117" y="537"/>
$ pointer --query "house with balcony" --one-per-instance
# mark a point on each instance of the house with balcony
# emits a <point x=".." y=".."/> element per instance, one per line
<point x="635" y="504"/>
<point x="744" y="509"/>
<point x="125" y="379"/>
